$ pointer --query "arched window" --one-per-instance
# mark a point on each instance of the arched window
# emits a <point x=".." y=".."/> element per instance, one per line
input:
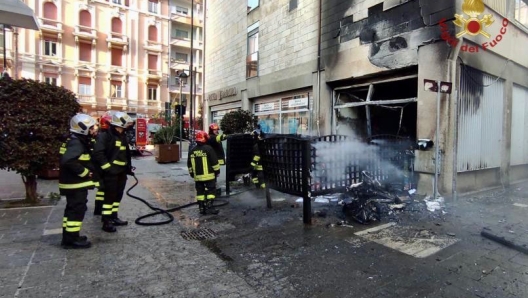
<point x="50" y="11"/>
<point x="85" y="19"/>
<point x="152" y="33"/>
<point x="117" y="25"/>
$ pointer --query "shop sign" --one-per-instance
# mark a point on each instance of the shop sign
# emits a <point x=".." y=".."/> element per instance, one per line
<point x="270" y="106"/>
<point x="221" y="94"/>
<point x="298" y="102"/>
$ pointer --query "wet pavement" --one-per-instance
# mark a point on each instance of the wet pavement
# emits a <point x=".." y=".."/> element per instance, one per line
<point x="250" y="251"/>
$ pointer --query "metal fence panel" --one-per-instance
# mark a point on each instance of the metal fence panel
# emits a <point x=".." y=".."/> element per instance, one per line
<point x="519" y="132"/>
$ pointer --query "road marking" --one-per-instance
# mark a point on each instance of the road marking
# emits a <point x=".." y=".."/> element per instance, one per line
<point x="34" y="207"/>
<point x="408" y="240"/>
<point x="52" y="232"/>
<point x="520" y="205"/>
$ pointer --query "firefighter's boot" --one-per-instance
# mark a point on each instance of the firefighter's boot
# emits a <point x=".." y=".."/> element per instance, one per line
<point x="74" y="241"/>
<point x="117" y="221"/>
<point x="201" y="207"/>
<point x="108" y="225"/>
<point x="210" y="208"/>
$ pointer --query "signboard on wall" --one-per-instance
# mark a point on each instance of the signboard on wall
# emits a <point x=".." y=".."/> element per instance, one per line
<point x="221" y="94"/>
<point x="298" y="102"/>
<point x="141" y="132"/>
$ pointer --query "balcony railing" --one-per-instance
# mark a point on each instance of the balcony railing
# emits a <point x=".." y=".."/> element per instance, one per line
<point x="153" y="45"/>
<point x="118" y="101"/>
<point x="132" y="102"/>
<point x="86" y="99"/>
<point x="154" y="103"/>
<point x="50" y="25"/>
<point x="85" y="31"/>
<point x="154" y="73"/>
<point x="116" y="37"/>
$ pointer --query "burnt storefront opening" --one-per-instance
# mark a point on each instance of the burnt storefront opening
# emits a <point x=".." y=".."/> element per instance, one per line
<point x="387" y="108"/>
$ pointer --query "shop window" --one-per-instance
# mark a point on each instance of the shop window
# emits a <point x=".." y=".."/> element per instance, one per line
<point x="181" y="57"/>
<point x="252" y="4"/>
<point x="85" y="86"/>
<point x="521" y="12"/>
<point x="152" y="92"/>
<point x="85" y="52"/>
<point x="117" y="89"/>
<point x="252" y="51"/>
<point x="153" y="6"/>
<point x="50" y="48"/>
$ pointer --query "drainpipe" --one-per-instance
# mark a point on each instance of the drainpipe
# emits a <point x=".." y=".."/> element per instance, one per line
<point x="318" y="116"/>
<point x="204" y="9"/>
<point x="452" y="77"/>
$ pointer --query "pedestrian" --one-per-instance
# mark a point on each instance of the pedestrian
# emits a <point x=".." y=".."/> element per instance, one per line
<point x="76" y="176"/>
<point x="257" y="174"/>
<point x="104" y="125"/>
<point x="215" y="141"/>
<point x="204" y="168"/>
<point x="112" y="155"/>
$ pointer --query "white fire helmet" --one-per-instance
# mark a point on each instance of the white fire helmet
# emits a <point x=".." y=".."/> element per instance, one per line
<point x="81" y="124"/>
<point x="121" y="119"/>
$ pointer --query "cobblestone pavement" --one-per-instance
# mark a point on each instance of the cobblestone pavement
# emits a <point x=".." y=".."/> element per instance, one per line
<point x="250" y="251"/>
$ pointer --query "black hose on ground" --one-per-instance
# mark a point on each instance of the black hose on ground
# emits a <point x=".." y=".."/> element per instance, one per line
<point x="165" y="212"/>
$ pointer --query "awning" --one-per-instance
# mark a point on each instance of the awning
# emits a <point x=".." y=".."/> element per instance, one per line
<point x="17" y="14"/>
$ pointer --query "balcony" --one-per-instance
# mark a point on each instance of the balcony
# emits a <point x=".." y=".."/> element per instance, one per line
<point x="132" y="103"/>
<point x="116" y="101"/>
<point x="154" y="74"/>
<point x="154" y="103"/>
<point x="179" y="64"/>
<point x="86" y="100"/>
<point x="181" y="42"/>
<point x="85" y="33"/>
<point x="51" y="26"/>
<point x="186" y="19"/>
<point x="153" y="46"/>
<point x="117" y="39"/>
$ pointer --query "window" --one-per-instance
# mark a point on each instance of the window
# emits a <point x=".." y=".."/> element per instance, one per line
<point x="180" y="34"/>
<point x="1" y="38"/>
<point x="51" y="81"/>
<point x="521" y="11"/>
<point x="252" y="4"/>
<point x="85" y="86"/>
<point x="152" y="92"/>
<point x="116" y="1"/>
<point x="50" y="48"/>
<point x="85" y="52"/>
<point x="293" y="4"/>
<point x="181" y="10"/>
<point x="181" y="57"/>
<point x="252" y="51"/>
<point x="117" y="89"/>
<point x="117" y="57"/>
<point x="153" y="6"/>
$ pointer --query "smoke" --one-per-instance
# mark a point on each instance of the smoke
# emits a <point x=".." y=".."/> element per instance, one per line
<point x="340" y="163"/>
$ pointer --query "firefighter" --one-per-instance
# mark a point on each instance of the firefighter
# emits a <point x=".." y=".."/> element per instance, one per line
<point x="215" y="141"/>
<point x="76" y="177"/>
<point x="257" y="175"/>
<point x="104" y="125"/>
<point x="204" y="168"/>
<point x="112" y="155"/>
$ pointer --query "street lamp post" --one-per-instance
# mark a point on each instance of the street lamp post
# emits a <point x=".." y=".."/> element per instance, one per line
<point x="183" y="80"/>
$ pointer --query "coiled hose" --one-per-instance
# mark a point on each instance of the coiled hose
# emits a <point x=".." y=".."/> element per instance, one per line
<point x="165" y="212"/>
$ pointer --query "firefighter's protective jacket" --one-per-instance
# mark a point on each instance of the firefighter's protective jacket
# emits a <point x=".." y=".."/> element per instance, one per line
<point x="203" y="163"/>
<point x="111" y="152"/>
<point x="76" y="165"/>
<point x="216" y="143"/>
<point x="255" y="163"/>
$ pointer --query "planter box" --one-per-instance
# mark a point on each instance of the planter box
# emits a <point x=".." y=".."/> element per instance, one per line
<point x="49" y="174"/>
<point x="167" y="153"/>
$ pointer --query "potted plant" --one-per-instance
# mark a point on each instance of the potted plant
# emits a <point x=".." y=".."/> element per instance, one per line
<point x="165" y="142"/>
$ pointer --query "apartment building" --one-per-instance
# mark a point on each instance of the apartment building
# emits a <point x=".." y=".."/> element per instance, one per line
<point x="358" y="68"/>
<point x="115" y="54"/>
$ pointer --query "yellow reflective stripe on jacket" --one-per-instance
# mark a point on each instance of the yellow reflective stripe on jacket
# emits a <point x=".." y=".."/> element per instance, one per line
<point x="76" y="185"/>
<point x="221" y="161"/>
<point x="216" y="167"/>
<point x="119" y="163"/>
<point x="259" y="168"/>
<point x="62" y="150"/>
<point x="219" y="138"/>
<point x="256" y="158"/>
<point x="84" y="173"/>
<point x="106" y="166"/>
<point x="118" y="144"/>
<point x="84" y="157"/>
<point x="205" y="177"/>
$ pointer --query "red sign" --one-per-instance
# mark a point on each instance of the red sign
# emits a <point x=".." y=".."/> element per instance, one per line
<point x="141" y="132"/>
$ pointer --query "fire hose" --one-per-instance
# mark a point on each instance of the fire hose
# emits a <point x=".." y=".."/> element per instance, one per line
<point x="165" y="212"/>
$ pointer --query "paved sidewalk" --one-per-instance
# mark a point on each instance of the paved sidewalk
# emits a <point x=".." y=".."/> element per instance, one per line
<point x="258" y="252"/>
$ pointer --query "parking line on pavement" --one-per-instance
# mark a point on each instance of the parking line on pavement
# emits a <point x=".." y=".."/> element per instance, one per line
<point x="18" y="208"/>
<point x="52" y="232"/>
<point x="520" y="205"/>
<point x="375" y="229"/>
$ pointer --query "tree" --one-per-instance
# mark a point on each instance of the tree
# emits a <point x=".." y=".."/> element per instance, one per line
<point x="239" y="121"/>
<point x="34" y="120"/>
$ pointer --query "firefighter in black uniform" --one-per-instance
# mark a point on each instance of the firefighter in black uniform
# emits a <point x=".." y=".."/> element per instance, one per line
<point x="204" y="168"/>
<point x="112" y="155"/>
<point x="104" y="125"/>
<point x="76" y="176"/>
<point x="215" y="141"/>
<point x="257" y="175"/>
